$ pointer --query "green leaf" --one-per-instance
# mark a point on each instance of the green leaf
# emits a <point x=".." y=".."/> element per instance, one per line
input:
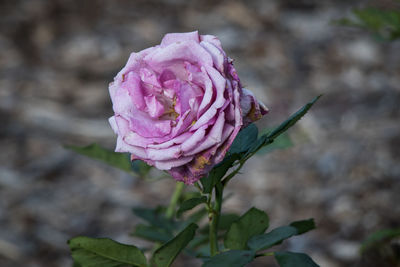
<point x="281" y="142"/>
<point x="283" y="127"/>
<point x="231" y="258"/>
<point x="190" y="204"/>
<point x="276" y="236"/>
<point x="118" y="160"/>
<point x="156" y="217"/>
<point x="197" y="216"/>
<point x="151" y="233"/>
<point x="383" y="24"/>
<point x="378" y="237"/>
<point x="244" y="140"/>
<point x="104" y="252"/>
<point x="140" y="167"/>
<point x="252" y="223"/>
<point x="218" y="172"/>
<point x="303" y="226"/>
<point x="225" y="222"/>
<point x="291" y="259"/>
<point x="166" y="254"/>
<point x="267" y="139"/>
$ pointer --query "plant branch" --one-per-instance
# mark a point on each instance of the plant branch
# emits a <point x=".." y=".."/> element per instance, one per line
<point x="174" y="200"/>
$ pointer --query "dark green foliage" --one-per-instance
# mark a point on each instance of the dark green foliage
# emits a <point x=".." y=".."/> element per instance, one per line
<point x="225" y="222"/>
<point x="244" y="140"/>
<point x="155" y="217"/>
<point x="291" y="259"/>
<point x="118" y="160"/>
<point x="276" y="236"/>
<point x="166" y="254"/>
<point x="115" y="159"/>
<point x="268" y="138"/>
<point x="231" y="258"/>
<point x="104" y="252"/>
<point x="152" y="233"/>
<point x="190" y="204"/>
<point x="218" y="172"/>
<point x="303" y="226"/>
<point x="383" y="24"/>
<point x="244" y="236"/>
<point x="281" y="142"/>
<point x="379" y="237"/>
<point x="140" y="167"/>
<point x="252" y="223"/>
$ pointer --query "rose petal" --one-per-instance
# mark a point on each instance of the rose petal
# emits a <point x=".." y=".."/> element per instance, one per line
<point x="213" y="137"/>
<point x="134" y="62"/>
<point x="219" y="83"/>
<point x="166" y="57"/>
<point x="146" y="126"/>
<point x="168" y="164"/>
<point x="172" y="152"/>
<point x="208" y="93"/>
<point x="132" y="85"/>
<point x="211" y="39"/>
<point x="154" y="107"/>
<point x="113" y="124"/>
<point x="217" y="55"/>
<point x="176" y="140"/>
<point x="194" y="139"/>
<point x="180" y="37"/>
<point x="149" y="77"/>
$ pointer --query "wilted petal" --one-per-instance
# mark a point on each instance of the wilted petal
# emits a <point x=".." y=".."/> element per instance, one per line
<point x="252" y="109"/>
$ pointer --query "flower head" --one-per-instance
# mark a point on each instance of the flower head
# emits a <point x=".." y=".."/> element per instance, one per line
<point x="179" y="105"/>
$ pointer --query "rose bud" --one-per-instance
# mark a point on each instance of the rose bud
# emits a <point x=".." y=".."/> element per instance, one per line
<point x="179" y="105"/>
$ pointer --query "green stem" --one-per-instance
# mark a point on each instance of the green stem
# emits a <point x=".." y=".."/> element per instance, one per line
<point x="214" y="219"/>
<point x="174" y="200"/>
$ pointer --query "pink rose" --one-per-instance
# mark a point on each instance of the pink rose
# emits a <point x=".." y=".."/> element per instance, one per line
<point x="179" y="105"/>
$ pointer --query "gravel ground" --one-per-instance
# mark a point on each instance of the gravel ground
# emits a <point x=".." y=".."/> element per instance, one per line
<point x="57" y="58"/>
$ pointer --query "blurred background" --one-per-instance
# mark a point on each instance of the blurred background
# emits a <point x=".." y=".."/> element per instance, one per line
<point x="57" y="58"/>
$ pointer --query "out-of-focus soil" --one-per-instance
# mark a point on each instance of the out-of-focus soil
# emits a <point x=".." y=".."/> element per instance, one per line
<point x="57" y="58"/>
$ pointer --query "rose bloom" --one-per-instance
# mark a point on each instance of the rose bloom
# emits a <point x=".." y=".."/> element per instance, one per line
<point x="179" y="105"/>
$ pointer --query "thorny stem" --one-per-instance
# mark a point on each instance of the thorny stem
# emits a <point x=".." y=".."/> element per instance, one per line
<point x="213" y="216"/>
<point x="174" y="200"/>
